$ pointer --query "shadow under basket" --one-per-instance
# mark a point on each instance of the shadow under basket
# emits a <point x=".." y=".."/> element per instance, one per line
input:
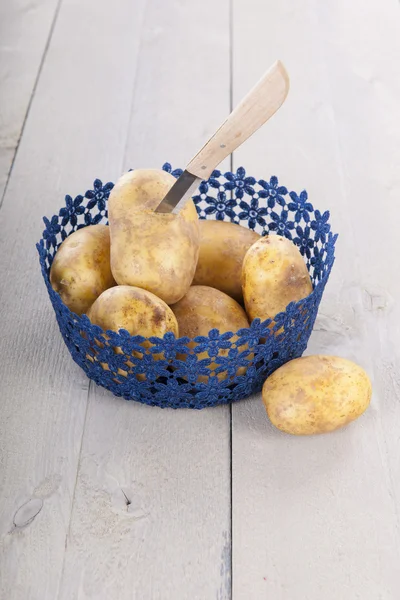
<point x="221" y="368"/>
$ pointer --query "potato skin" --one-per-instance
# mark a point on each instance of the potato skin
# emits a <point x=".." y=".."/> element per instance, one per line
<point x="138" y="311"/>
<point x="223" y="246"/>
<point x="155" y="251"/>
<point x="274" y="274"/>
<point x="81" y="268"/>
<point x="204" y="308"/>
<point x="316" y="394"/>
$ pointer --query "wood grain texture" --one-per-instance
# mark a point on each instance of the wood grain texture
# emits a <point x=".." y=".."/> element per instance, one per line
<point x="76" y="130"/>
<point x="313" y="518"/>
<point x="151" y="512"/>
<point x="25" y="28"/>
<point x="318" y="517"/>
<point x="151" y="518"/>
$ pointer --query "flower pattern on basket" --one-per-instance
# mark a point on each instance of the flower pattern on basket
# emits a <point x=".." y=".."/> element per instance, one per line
<point x="220" y="368"/>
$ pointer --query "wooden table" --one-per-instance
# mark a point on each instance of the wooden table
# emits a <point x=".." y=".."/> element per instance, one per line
<point x="107" y="500"/>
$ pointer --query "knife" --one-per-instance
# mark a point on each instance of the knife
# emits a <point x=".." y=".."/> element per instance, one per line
<point x="259" y="105"/>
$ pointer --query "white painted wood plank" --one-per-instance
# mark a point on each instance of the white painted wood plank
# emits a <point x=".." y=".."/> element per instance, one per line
<point x="173" y="540"/>
<point x="25" y="27"/>
<point x="318" y="517"/>
<point x="151" y="517"/>
<point x="76" y="130"/>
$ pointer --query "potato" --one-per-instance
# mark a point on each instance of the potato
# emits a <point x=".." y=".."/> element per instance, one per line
<point x="138" y="311"/>
<point x="81" y="267"/>
<point x="274" y="274"/>
<point x="155" y="251"/>
<point x="223" y="246"/>
<point x="204" y="308"/>
<point x="316" y="394"/>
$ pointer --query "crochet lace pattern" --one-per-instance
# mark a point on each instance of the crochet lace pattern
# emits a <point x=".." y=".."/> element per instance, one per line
<point x="166" y="372"/>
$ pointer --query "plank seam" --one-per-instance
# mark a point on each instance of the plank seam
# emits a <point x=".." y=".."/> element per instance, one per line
<point x="42" y="61"/>
<point x="74" y="492"/>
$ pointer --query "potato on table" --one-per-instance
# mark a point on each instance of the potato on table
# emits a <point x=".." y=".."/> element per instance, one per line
<point x="274" y="274"/>
<point x="223" y="246"/>
<point x="316" y="394"/>
<point x="155" y="251"/>
<point x="81" y="271"/>
<point x="204" y="308"/>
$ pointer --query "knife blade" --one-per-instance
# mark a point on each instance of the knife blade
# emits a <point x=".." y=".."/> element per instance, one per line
<point x="182" y="190"/>
<point x="259" y="105"/>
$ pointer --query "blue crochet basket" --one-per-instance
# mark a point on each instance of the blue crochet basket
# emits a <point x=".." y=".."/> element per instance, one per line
<point x="221" y="368"/>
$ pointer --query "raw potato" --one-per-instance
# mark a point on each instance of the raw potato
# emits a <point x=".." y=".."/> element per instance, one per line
<point x="136" y="310"/>
<point x="316" y="394"/>
<point x="274" y="274"/>
<point x="81" y="268"/>
<point x="205" y="308"/>
<point x="155" y="251"/>
<point x="223" y="246"/>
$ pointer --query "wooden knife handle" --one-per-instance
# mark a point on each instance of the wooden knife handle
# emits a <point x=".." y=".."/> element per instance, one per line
<point x="253" y="111"/>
